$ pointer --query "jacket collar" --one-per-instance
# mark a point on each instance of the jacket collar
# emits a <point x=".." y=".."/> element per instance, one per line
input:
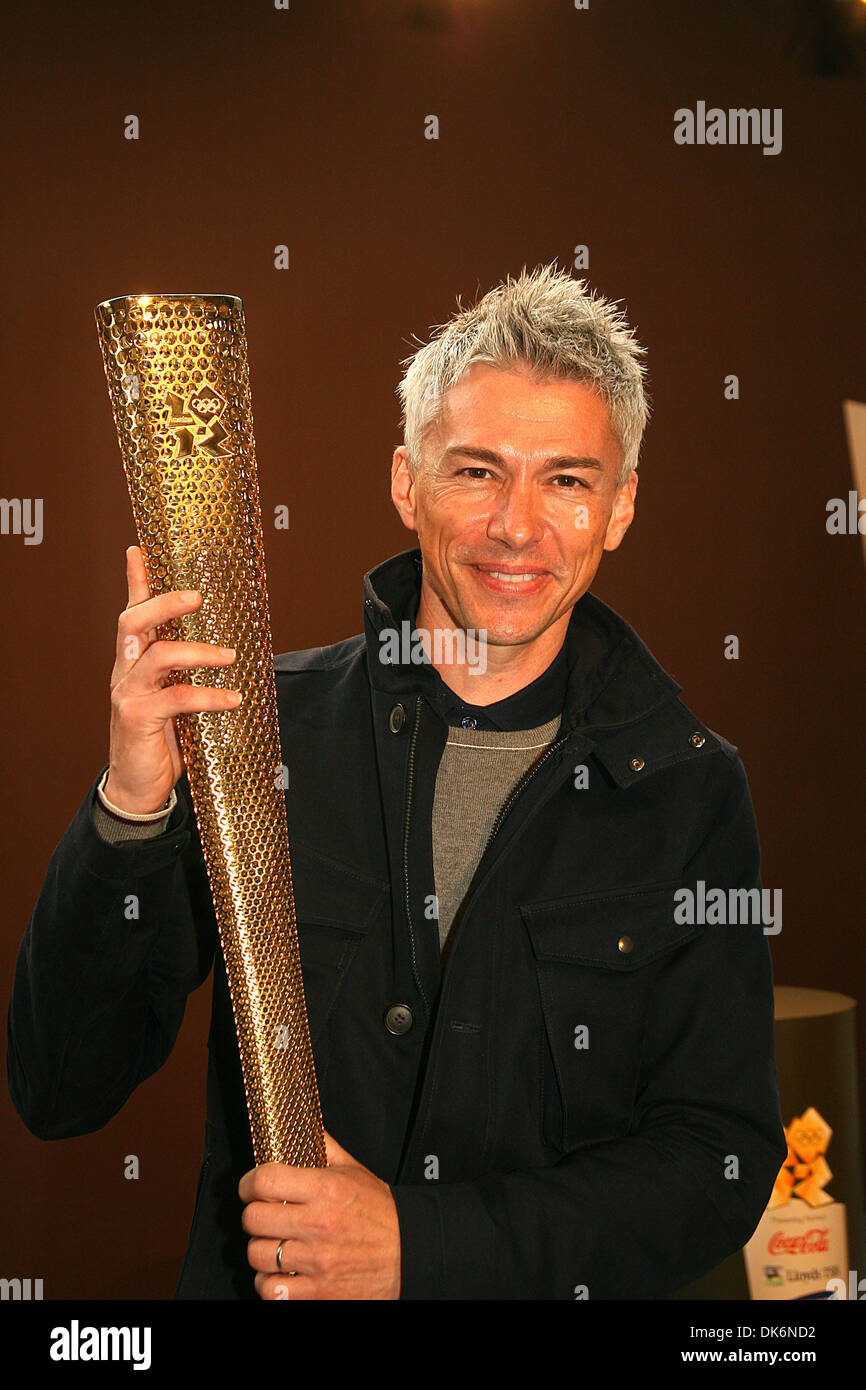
<point x="613" y="677"/>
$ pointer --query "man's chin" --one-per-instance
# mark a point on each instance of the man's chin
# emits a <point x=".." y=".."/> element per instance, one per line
<point x="499" y="629"/>
<point x="509" y="637"/>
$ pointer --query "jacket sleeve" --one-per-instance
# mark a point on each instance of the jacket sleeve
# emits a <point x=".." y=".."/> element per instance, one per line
<point x="120" y="935"/>
<point x="644" y="1215"/>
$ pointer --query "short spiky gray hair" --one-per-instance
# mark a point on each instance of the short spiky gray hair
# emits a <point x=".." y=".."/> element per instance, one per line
<point x="552" y="324"/>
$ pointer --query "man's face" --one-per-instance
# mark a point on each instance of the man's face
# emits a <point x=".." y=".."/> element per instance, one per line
<point x="518" y="477"/>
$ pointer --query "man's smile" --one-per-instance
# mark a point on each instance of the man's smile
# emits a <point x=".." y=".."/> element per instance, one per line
<point x="510" y="579"/>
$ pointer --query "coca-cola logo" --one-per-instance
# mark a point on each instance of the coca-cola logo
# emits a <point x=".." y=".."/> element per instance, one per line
<point x="810" y="1243"/>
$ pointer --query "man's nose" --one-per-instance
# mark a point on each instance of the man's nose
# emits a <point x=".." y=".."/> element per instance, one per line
<point x="516" y="516"/>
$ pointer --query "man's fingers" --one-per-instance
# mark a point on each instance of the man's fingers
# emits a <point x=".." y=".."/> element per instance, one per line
<point x="142" y="617"/>
<point x="164" y="656"/>
<point x="136" y="627"/>
<point x="262" y="1255"/>
<point x="136" y="576"/>
<point x="283" y="1182"/>
<point x="275" y="1219"/>
<point x="152" y="710"/>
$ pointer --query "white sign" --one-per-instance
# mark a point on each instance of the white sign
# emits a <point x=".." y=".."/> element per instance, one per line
<point x="796" y="1249"/>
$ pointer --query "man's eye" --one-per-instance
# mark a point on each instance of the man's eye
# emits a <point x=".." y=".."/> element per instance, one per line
<point x="479" y="469"/>
<point x="569" y="478"/>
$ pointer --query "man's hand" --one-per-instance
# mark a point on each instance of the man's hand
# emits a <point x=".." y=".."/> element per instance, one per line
<point x="338" y="1227"/>
<point x="144" y="760"/>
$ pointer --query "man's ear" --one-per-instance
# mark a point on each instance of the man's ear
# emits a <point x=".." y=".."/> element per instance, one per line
<point x="403" y="488"/>
<point x="622" y="512"/>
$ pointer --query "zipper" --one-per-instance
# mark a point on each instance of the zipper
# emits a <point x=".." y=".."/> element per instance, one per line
<point x="516" y="790"/>
<point x="406" y="853"/>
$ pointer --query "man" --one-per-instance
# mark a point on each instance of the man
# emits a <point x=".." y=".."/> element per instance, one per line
<point x="537" y="1080"/>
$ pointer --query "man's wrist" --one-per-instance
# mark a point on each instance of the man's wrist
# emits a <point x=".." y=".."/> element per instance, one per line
<point x="136" y="817"/>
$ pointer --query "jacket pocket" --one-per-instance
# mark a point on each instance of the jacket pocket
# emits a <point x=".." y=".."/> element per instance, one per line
<point x="336" y="907"/>
<point x="596" y="958"/>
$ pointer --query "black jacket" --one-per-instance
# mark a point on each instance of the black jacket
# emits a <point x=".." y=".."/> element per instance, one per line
<point x="523" y="1165"/>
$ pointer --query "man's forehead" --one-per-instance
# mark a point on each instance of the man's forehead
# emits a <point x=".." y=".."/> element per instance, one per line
<point x="502" y="407"/>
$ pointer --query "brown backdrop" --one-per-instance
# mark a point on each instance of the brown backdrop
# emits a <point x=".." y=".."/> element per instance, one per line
<point x="305" y="127"/>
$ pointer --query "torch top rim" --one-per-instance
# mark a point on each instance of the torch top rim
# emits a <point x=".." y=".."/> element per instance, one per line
<point x="230" y="299"/>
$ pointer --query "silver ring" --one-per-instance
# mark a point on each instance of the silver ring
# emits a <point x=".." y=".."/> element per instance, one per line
<point x="292" y="1273"/>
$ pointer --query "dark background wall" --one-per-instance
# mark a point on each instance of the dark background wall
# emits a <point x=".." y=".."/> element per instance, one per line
<point x="306" y="127"/>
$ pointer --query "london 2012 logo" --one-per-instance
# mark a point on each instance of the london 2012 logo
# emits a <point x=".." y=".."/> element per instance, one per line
<point x="194" y="420"/>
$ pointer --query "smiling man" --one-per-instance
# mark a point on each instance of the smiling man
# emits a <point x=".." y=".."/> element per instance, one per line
<point x="537" y="1083"/>
<point x="519" y="494"/>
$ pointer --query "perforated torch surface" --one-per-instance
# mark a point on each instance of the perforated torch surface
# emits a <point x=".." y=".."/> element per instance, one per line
<point x="178" y="380"/>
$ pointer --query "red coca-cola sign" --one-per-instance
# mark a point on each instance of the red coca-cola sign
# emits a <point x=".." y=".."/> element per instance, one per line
<point x="810" y="1243"/>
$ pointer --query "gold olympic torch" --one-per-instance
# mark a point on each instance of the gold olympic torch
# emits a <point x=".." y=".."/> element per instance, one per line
<point x="178" y="379"/>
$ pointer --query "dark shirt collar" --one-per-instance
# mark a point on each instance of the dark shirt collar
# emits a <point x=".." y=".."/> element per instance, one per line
<point x="537" y="703"/>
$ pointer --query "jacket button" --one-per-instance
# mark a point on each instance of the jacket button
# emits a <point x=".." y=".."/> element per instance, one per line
<point x="399" y="1019"/>
<point x="637" y="764"/>
<point x="697" y="740"/>
<point x="397" y="718"/>
<point x="625" y="944"/>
